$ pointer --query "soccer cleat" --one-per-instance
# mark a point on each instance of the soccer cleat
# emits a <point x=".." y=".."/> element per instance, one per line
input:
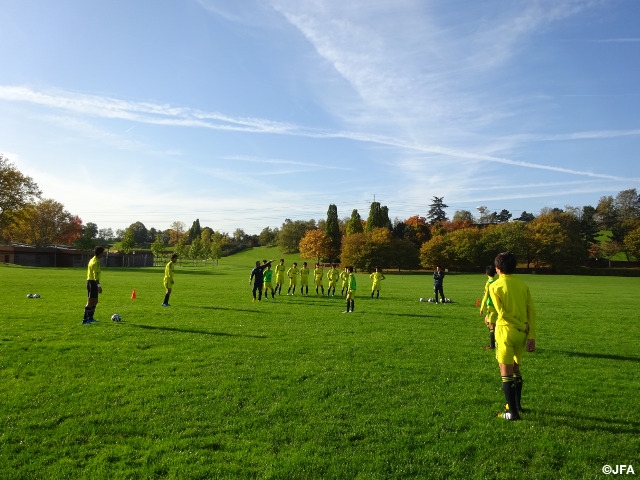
<point x="509" y="416"/>
<point x="86" y="322"/>
<point x="166" y="305"/>
<point x="93" y="320"/>
<point x="489" y="347"/>
<point x="346" y="311"/>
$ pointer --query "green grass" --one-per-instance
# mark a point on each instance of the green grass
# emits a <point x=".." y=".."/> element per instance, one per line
<point x="217" y="386"/>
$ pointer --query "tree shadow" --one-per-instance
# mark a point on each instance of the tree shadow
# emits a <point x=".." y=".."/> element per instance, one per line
<point x="199" y="332"/>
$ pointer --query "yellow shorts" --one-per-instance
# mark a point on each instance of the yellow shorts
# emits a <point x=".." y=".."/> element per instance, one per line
<point x="492" y="314"/>
<point x="280" y="279"/>
<point x="375" y="286"/>
<point x="268" y="285"/>
<point x="351" y="294"/>
<point x="510" y="345"/>
<point x="293" y="281"/>
<point x="304" y="281"/>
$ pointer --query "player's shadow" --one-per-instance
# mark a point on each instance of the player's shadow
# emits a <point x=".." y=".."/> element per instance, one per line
<point x="414" y="315"/>
<point x="585" y="423"/>
<point x="605" y="356"/>
<point x="260" y="312"/>
<point x="199" y="332"/>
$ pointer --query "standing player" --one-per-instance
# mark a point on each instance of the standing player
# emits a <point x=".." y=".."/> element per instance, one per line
<point x="268" y="274"/>
<point x="318" y="278"/>
<point x="351" y="290"/>
<point x="304" y="279"/>
<point x="168" y="279"/>
<point x="438" y="278"/>
<point x="332" y="275"/>
<point x="258" y="279"/>
<point x="377" y="277"/>
<point x="292" y="273"/>
<point x="487" y="305"/>
<point x="515" y="330"/>
<point x="280" y="269"/>
<point x="93" y="286"/>
<point x="344" y="276"/>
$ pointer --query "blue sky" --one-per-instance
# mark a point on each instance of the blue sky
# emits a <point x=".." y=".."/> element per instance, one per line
<point x="243" y="114"/>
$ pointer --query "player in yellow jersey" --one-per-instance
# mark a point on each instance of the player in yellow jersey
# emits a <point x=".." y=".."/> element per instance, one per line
<point x="93" y="286"/>
<point x="332" y="275"/>
<point x="344" y="276"/>
<point x="377" y="277"/>
<point x="351" y="289"/>
<point x="168" y="279"/>
<point x="515" y="330"/>
<point x="280" y="271"/>
<point x="292" y="273"/>
<point x="318" y="278"/>
<point x="486" y="305"/>
<point x="304" y="279"/>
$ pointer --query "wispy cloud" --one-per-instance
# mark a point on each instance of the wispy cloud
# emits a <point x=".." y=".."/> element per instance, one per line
<point x="145" y="112"/>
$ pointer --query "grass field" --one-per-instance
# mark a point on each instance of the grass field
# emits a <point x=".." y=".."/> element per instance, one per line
<point x="217" y="386"/>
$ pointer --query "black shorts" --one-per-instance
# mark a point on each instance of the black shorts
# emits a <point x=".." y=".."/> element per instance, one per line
<point x="92" y="289"/>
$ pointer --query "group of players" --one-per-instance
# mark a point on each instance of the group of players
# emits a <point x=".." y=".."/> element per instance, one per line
<point x="507" y="301"/>
<point x="263" y="281"/>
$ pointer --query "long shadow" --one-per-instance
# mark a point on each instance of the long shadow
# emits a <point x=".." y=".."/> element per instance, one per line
<point x="200" y="332"/>
<point x="407" y="315"/>
<point x="605" y="356"/>
<point x="207" y="307"/>
<point x="579" y="422"/>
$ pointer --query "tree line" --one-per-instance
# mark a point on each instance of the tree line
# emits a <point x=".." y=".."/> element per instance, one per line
<point x="554" y="238"/>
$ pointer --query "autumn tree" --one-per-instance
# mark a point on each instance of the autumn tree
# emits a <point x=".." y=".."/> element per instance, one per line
<point x="43" y="223"/>
<point x="465" y="248"/>
<point x="632" y="243"/>
<point x="434" y="252"/>
<point x="176" y="232"/>
<point x="315" y="244"/>
<point x="353" y="250"/>
<point x="16" y="192"/>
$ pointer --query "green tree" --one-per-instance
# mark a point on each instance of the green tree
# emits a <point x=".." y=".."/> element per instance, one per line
<point x="436" y="212"/>
<point x="196" y="250"/>
<point x="16" y="192"/>
<point x="157" y="248"/>
<point x="139" y="232"/>
<point x="291" y="233"/>
<point x="526" y="217"/>
<point x="128" y="242"/>
<point x="375" y="218"/>
<point x="332" y="232"/>
<point x="632" y="243"/>
<point x="268" y="237"/>
<point x="355" y="223"/>
<point x="606" y="214"/>
<point x="627" y="205"/>
<point x="463" y="215"/>
<point x="353" y="250"/>
<point x="195" y="231"/>
<point x="465" y="248"/>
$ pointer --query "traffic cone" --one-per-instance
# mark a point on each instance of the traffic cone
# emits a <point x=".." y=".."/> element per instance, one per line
<point x="477" y="301"/>
<point x="133" y="294"/>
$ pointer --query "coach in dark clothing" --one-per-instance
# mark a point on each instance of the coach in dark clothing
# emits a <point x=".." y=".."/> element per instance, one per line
<point x="438" y="278"/>
<point x="257" y="275"/>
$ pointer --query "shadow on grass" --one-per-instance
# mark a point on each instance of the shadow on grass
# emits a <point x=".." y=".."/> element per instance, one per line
<point x="585" y="423"/>
<point x="200" y="332"/>
<point x="605" y="356"/>
<point x="247" y="310"/>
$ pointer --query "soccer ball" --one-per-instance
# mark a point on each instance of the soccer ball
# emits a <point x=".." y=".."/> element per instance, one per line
<point x="422" y="299"/>
<point x="29" y="295"/>
<point x="430" y="300"/>
<point x="116" y="318"/>
<point x="36" y="295"/>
